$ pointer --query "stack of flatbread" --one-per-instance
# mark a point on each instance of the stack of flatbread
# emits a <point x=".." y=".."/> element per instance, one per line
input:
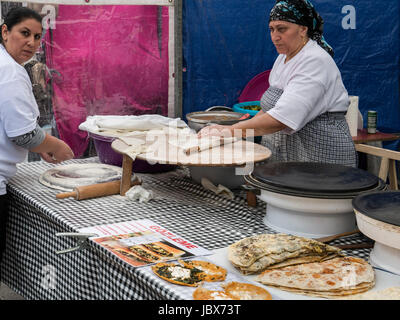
<point x="267" y="251"/>
<point x="301" y="265"/>
<point x="392" y="293"/>
<point x="335" y="278"/>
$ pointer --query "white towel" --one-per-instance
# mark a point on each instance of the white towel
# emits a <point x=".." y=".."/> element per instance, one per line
<point x="139" y="193"/>
<point x="98" y="124"/>
<point x="352" y="115"/>
<point x="220" y="190"/>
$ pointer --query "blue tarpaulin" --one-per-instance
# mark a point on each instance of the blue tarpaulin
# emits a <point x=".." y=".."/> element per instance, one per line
<point x="227" y="43"/>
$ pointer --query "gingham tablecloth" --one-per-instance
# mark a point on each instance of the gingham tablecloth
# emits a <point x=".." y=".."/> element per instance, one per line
<point x="31" y="267"/>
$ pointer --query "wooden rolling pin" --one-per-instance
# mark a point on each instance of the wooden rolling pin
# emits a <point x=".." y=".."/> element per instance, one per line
<point x="96" y="190"/>
<point x="337" y="236"/>
<point x="209" y="143"/>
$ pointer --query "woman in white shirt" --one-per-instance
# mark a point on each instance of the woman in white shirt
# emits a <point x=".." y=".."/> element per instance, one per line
<point x="303" y="111"/>
<point x="19" y="132"/>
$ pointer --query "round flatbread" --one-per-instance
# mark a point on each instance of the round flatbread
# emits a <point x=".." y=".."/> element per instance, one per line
<point x="178" y="274"/>
<point x="392" y="293"/>
<point x="205" y="294"/>
<point x="332" y="278"/>
<point x="212" y="271"/>
<point x="257" y="253"/>
<point x="233" y="291"/>
<point x="246" y="291"/>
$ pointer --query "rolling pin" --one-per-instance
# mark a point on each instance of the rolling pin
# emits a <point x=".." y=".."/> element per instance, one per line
<point x="207" y="143"/>
<point x="96" y="190"/>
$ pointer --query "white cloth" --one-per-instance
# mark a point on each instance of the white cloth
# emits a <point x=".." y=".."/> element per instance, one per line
<point x="18" y="114"/>
<point x="139" y="193"/>
<point x="120" y="125"/>
<point x="311" y="84"/>
<point x="220" y="189"/>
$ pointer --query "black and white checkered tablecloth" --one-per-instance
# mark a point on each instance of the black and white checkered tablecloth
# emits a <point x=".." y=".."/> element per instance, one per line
<point x="31" y="267"/>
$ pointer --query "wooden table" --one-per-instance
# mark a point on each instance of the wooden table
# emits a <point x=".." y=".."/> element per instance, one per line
<point x="363" y="136"/>
<point x="387" y="164"/>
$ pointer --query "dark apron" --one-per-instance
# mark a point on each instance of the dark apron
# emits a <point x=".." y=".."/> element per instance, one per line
<point x="325" y="139"/>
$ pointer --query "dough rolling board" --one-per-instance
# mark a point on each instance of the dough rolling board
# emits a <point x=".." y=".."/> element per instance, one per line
<point x="236" y="154"/>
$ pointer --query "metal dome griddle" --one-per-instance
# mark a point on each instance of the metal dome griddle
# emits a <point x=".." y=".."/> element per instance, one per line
<point x="310" y="194"/>
<point x="381" y="206"/>
<point x="318" y="178"/>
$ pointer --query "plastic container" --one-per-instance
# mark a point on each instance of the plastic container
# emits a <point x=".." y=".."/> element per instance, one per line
<point x="256" y="87"/>
<point x="238" y="107"/>
<point x="108" y="156"/>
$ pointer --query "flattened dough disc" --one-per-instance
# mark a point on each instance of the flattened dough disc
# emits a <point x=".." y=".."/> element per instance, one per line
<point x="69" y="176"/>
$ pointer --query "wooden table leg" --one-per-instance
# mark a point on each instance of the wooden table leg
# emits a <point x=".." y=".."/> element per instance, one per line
<point x="393" y="175"/>
<point x="126" y="174"/>
<point x="384" y="169"/>
<point x="251" y="199"/>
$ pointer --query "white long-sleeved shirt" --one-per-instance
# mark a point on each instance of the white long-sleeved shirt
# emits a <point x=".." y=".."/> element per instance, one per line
<point x="311" y="84"/>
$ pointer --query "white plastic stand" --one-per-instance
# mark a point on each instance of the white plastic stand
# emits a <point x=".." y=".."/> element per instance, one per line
<point x="307" y="217"/>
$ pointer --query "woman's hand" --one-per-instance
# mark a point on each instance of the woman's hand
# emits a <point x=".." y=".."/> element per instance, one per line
<point x="61" y="153"/>
<point x="48" y="157"/>
<point x="54" y="150"/>
<point x="216" y="130"/>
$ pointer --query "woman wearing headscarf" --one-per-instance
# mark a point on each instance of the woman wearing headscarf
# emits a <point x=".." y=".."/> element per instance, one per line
<point x="303" y="110"/>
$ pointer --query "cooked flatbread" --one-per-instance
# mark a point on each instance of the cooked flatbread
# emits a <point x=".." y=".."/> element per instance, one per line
<point x="212" y="271"/>
<point x="257" y="253"/>
<point x="336" y="294"/>
<point x="233" y="291"/>
<point x="246" y="291"/>
<point x="392" y="293"/>
<point x="259" y="265"/>
<point x="178" y="274"/>
<point x="336" y="277"/>
<point x="205" y="294"/>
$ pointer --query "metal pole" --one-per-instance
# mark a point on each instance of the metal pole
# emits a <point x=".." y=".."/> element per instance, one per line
<point x="178" y="59"/>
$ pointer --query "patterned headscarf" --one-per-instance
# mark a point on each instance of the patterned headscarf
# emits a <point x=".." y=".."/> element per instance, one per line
<point x="302" y="12"/>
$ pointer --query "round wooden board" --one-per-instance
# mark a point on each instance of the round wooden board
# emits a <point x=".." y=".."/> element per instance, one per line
<point x="233" y="154"/>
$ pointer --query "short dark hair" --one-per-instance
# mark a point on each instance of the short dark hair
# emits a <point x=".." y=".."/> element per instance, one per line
<point x="17" y="15"/>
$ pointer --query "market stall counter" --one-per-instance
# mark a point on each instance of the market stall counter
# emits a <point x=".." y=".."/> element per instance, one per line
<point x="32" y="268"/>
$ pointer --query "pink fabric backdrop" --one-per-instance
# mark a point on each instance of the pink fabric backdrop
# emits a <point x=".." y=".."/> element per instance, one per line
<point x="110" y="63"/>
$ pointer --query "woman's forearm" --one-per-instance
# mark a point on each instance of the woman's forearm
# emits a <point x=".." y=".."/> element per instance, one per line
<point x="261" y="124"/>
<point x="49" y="144"/>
